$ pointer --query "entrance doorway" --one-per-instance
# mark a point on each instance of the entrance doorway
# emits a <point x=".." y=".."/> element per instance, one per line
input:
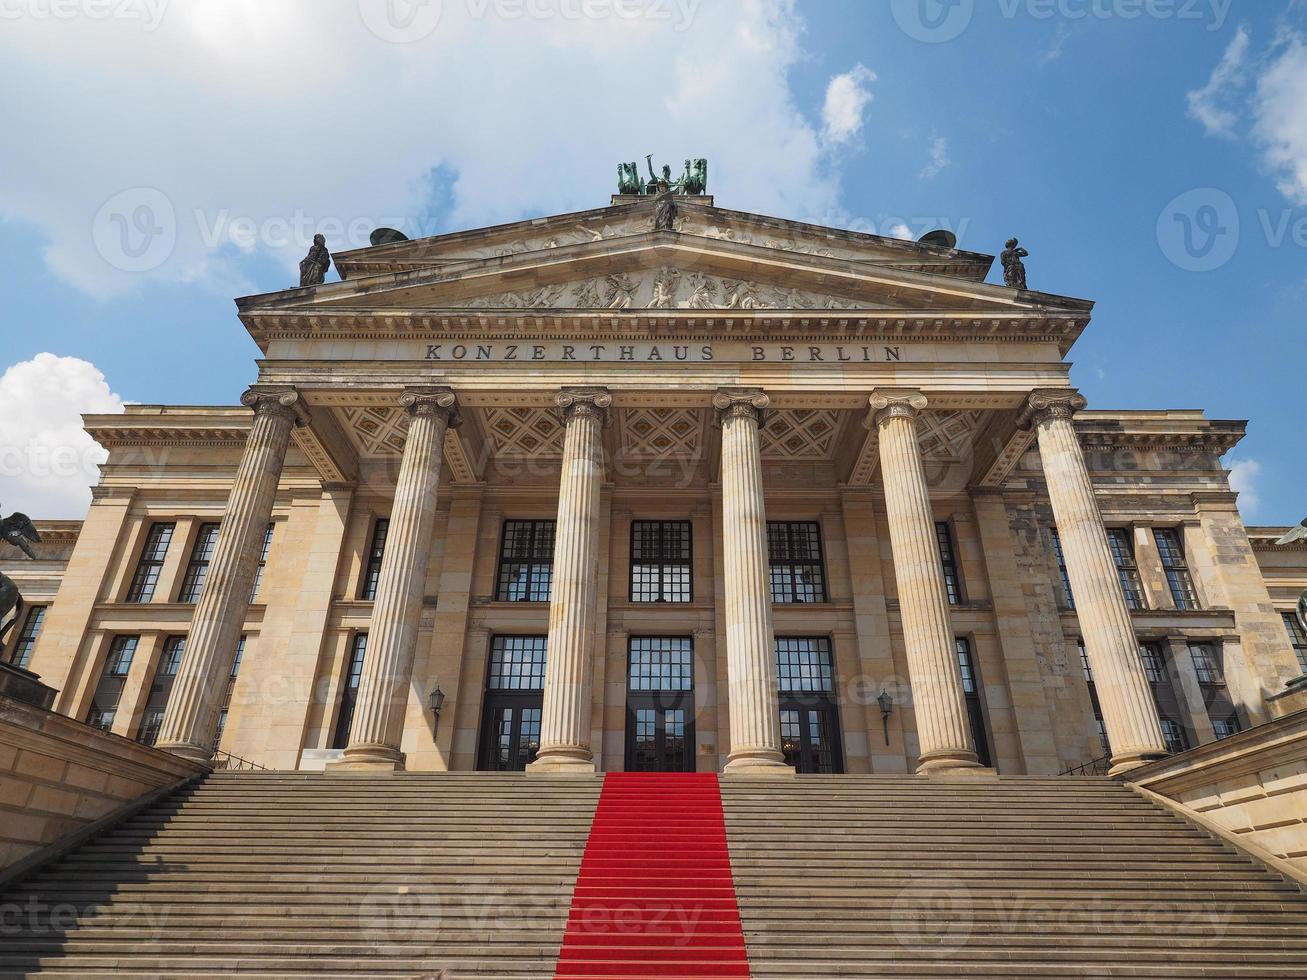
<point x="510" y="721"/>
<point x="660" y="704"/>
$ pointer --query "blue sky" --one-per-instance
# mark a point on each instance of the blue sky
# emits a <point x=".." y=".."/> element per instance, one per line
<point x="1101" y="132"/>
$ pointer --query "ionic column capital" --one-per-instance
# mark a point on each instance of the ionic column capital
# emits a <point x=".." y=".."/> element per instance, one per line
<point x="734" y="403"/>
<point x="1044" y="404"/>
<point x="896" y="403"/>
<point x="278" y="402"/>
<point x="435" y="402"/>
<point x="575" y="403"/>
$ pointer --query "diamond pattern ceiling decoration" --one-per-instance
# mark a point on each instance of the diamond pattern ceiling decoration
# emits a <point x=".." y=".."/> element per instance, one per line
<point x="800" y="433"/>
<point x="947" y="435"/>
<point x="662" y="433"/>
<point x="524" y="432"/>
<point x="376" y="431"/>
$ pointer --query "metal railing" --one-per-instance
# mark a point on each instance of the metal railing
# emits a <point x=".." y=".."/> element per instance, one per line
<point x="1095" y="767"/>
<point x="225" y="761"/>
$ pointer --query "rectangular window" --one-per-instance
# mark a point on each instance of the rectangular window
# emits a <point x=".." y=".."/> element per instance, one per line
<point x="263" y="560"/>
<point x="975" y="708"/>
<point x="1296" y="636"/>
<point x="104" y="703"/>
<point x="197" y="569"/>
<point x="1154" y="663"/>
<point x="948" y="558"/>
<point x="965" y="666"/>
<point x="661" y="663"/>
<point x="803" y="665"/>
<point x="660" y="561"/>
<point x="1225" y="727"/>
<point x="226" y="697"/>
<point x="372" y="574"/>
<point x="151" y="563"/>
<point x="350" y="690"/>
<point x="1068" y="599"/>
<point x="1123" y="554"/>
<point x="1206" y="664"/>
<point x="794" y="550"/>
<point x="517" y="663"/>
<point x="26" y="642"/>
<point x="161" y="688"/>
<point x="526" y="561"/>
<point x="1177" y="572"/>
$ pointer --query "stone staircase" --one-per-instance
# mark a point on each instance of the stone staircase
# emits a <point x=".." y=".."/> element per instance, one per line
<point x="884" y="876"/>
<point x="309" y="875"/>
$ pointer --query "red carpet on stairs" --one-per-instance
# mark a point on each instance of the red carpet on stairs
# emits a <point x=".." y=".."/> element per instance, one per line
<point x="655" y="896"/>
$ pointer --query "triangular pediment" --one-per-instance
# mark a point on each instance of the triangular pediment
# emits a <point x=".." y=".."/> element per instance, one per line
<point x="662" y="270"/>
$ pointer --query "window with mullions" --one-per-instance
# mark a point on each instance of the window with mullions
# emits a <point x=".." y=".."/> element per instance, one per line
<point x="971" y="690"/>
<point x="197" y="569"/>
<point x="1296" y="636"/>
<point x="1154" y="663"/>
<point x="350" y="690"/>
<point x="661" y="663"/>
<point x="1067" y="598"/>
<point x="1178" y="579"/>
<point x="526" y="561"/>
<point x="104" y="703"/>
<point x="1206" y="664"/>
<point x="151" y="563"/>
<point x="517" y="663"/>
<point x="161" y="688"/>
<point x="371" y="574"/>
<point x="1225" y="727"/>
<point x="1173" y="736"/>
<point x="794" y="551"/>
<point x="803" y="664"/>
<point x="26" y="641"/>
<point x="948" y="558"/>
<point x="263" y="560"/>
<point x="660" y="561"/>
<point x="1118" y="540"/>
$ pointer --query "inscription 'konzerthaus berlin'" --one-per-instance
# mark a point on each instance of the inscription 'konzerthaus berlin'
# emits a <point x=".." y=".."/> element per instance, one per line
<point x="796" y="498"/>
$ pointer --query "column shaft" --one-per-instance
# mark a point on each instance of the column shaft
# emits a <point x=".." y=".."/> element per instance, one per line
<point x="1110" y="643"/>
<point x="569" y="667"/>
<point x="938" y="701"/>
<point x="750" y="640"/>
<point x="378" y="723"/>
<point x="191" y="719"/>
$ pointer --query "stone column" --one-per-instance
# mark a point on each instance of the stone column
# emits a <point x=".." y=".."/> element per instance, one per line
<point x="573" y="610"/>
<point x="191" y="719"/>
<point x="750" y="642"/>
<point x="1113" y="650"/>
<point x="938" y="702"/>
<point x="378" y="723"/>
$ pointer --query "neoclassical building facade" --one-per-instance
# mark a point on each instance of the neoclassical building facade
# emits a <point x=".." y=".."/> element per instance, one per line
<point x="589" y="492"/>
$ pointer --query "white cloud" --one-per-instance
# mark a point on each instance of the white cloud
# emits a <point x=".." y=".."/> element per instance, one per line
<point x="1245" y="476"/>
<point x="1212" y="105"/>
<point x="847" y="97"/>
<point x="939" y="158"/>
<point x="1055" y="48"/>
<point x="1281" y="117"/>
<point x="903" y="232"/>
<point x="47" y="461"/>
<point x="246" y="116"/>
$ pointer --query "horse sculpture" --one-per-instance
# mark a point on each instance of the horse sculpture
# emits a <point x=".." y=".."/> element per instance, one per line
<point x="17" y="530"/>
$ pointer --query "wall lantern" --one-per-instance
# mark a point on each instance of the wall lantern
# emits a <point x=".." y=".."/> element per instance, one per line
<point x="437" y="701"/>
<point x="886" y="706"/>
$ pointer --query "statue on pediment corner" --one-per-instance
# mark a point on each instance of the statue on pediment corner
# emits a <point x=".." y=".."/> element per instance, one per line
<point x="1014" y="270"/>
<point x="16" y="529"/>
<point x="314" y="266"/>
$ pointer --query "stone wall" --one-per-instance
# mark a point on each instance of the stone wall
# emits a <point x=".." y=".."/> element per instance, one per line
<point x="1251" y="787"/>
<point x="58" y="776"/>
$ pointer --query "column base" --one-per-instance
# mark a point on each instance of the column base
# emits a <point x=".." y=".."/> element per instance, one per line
<point x="369" y="758"/>
<point x="201" y="754"/>
<point x="757" y="762"/>
<point x="1133" y="760"/>
<point x="565" y="759"/>
<point x="949" y="761"/>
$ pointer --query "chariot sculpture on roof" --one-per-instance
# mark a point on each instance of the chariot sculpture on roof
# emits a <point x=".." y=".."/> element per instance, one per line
<point x="693" y="180"/>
